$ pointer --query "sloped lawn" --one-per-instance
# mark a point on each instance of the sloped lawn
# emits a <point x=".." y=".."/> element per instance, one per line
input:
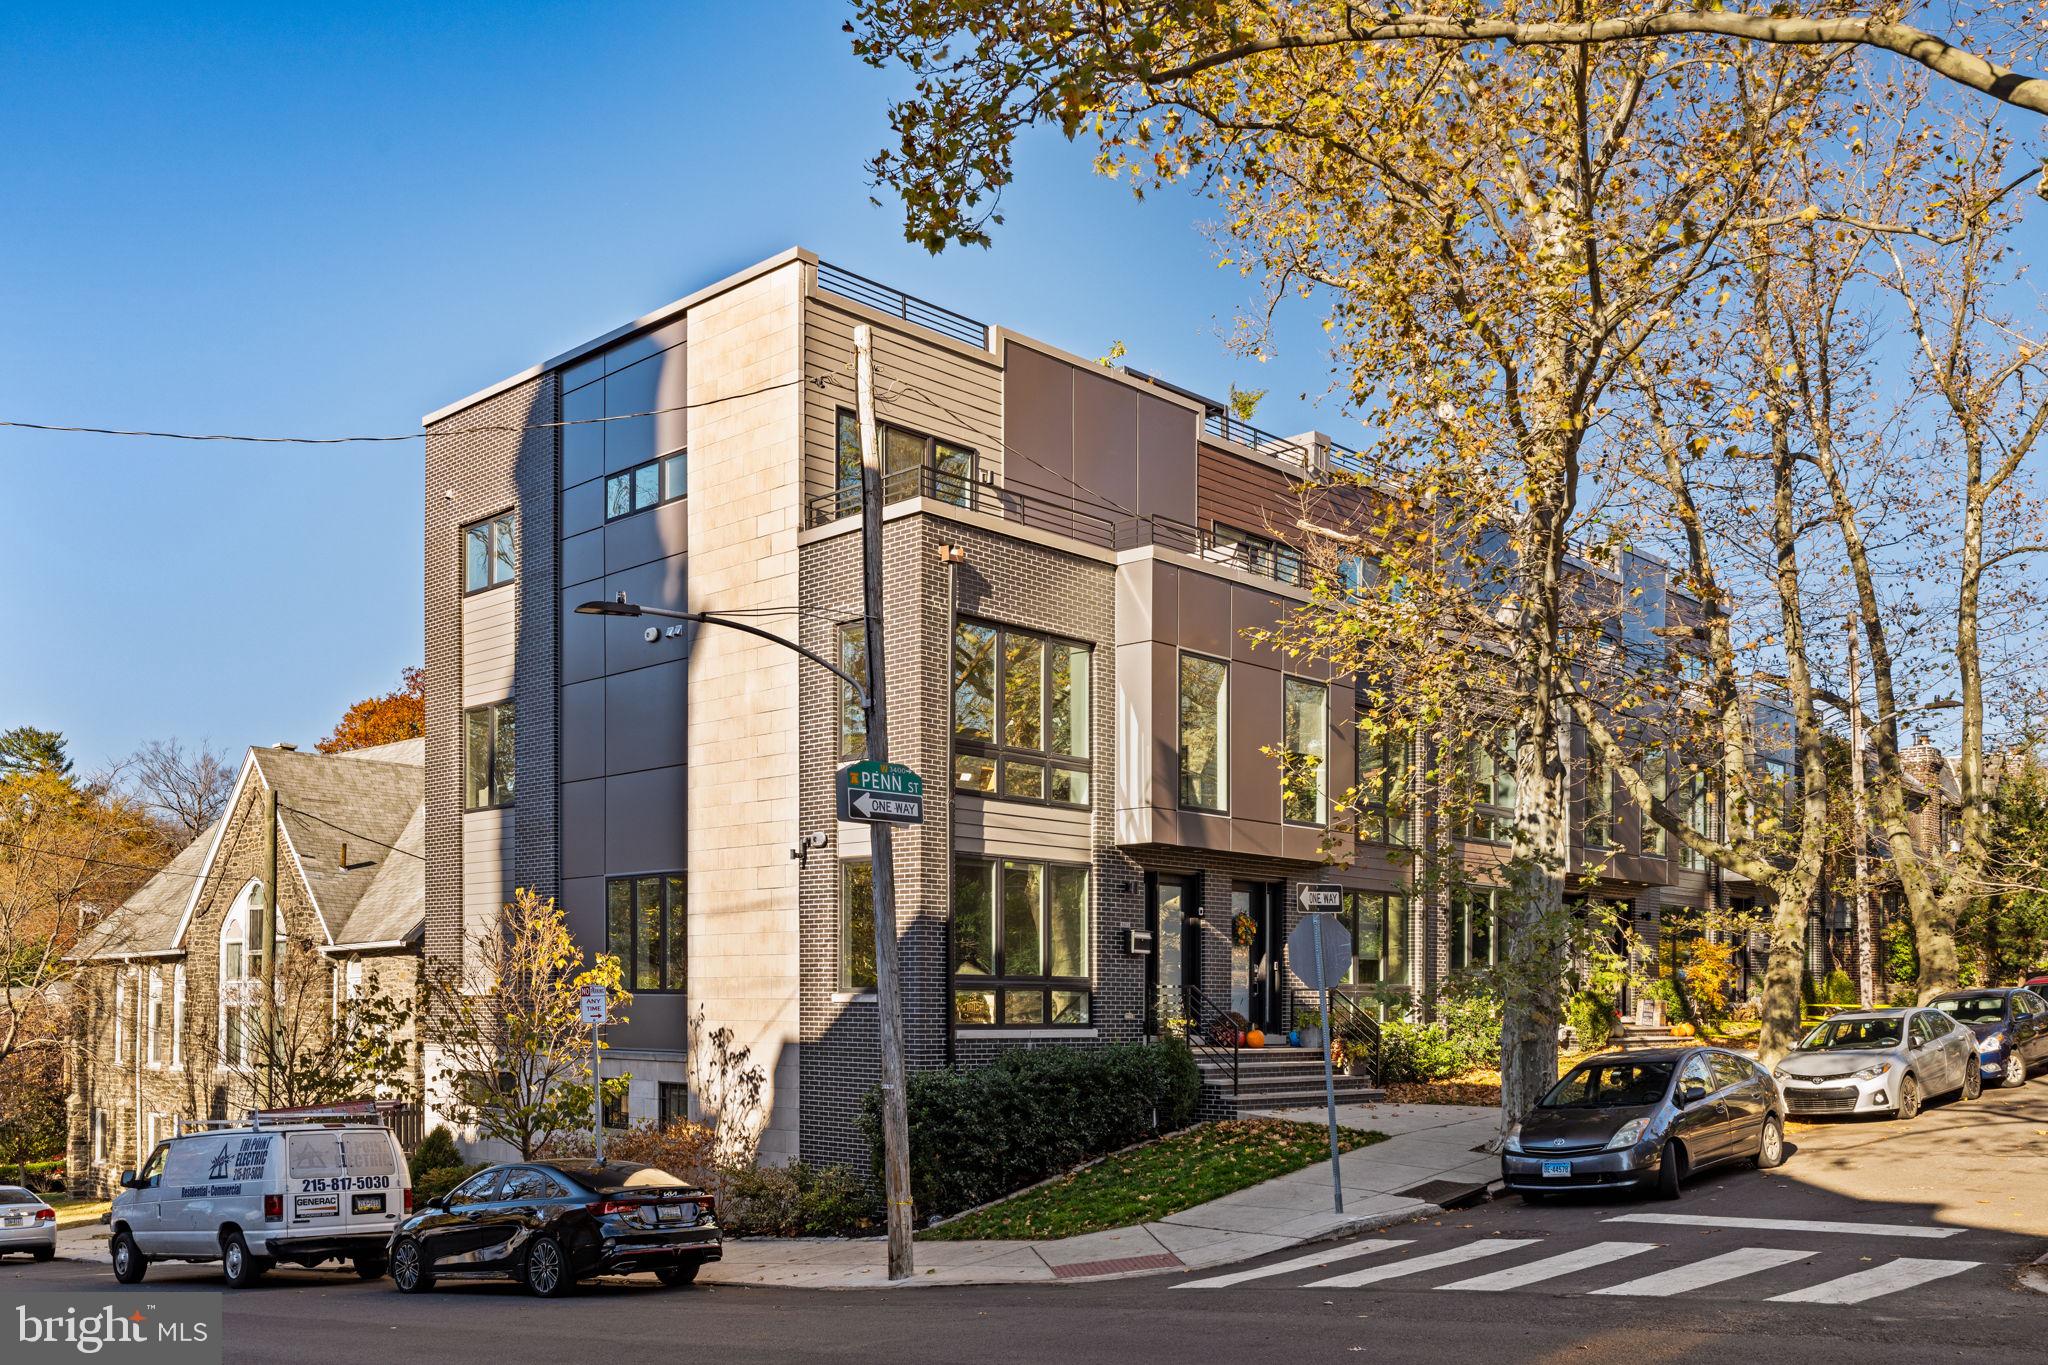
<point x="1175" y="1172"/>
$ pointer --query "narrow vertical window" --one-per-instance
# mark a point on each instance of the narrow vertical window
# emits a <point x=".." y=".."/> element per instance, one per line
<point x="487" y="756"/>
<point x="490" y="553"/>
<point x="1204" y="765"/>
<point x="857" y="926"/>
<point x="1305" y="748"/>
<point x="644" y="928"/>
<point x="852" y="639"/>
<point x="1599" y="801"/>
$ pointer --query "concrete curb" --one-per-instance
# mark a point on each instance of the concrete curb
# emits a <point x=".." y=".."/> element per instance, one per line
<point x="2035" y="1276"/>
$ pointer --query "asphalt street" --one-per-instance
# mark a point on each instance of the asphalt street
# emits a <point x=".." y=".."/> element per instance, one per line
<point x="1873" y="1244"/>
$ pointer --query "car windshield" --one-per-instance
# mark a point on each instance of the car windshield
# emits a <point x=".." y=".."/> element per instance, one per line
<point x="1610" y="1085"/>
<point x="1840" y="1035"/>
<point x="1973" y="1009"/>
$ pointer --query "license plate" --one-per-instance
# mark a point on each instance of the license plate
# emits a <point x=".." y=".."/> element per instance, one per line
<point x="15" y="1220"/>
<point x="1557" y="1170"/>
<point x="361" y="1204"/>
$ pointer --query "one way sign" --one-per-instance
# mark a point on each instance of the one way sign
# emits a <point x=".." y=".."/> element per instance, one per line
<point x="881" y="793"/>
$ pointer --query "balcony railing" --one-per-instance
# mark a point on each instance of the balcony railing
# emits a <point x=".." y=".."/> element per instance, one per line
<point x="896" y="303"/>
<point x="1221" y="424"/>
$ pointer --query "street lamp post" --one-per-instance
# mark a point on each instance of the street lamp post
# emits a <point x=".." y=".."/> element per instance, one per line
<point x="621" y="607"/>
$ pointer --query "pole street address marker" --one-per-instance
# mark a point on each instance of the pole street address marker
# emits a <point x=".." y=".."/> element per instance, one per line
<point x="881" y="793"/>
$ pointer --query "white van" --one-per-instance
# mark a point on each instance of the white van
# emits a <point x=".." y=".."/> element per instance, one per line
<point x="250" y="1196"/>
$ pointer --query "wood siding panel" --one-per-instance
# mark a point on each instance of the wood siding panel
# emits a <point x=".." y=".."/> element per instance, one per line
<point x="489" y="634"/>
<point x="487" y="848"/>
<point x="1020" y="830"/>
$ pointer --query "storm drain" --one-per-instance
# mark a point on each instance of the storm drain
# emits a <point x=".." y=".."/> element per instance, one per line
<point x="1445" y="1194"/>
<point x="1165" y="1260"/>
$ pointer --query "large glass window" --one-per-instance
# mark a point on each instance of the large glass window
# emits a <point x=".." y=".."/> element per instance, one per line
<point x="1257" y="554"/>
<point x="644" y="929"/>
<point x="857" y="926"/>
<point x="1020" y="715"/>
<point x="906" y="456"/>
<point x="1204" y="733"/>
<point x="852" y="641"/>
<point x="646" y="485"/>
<point x="1305" y="751"/>
<point x="1382" y="787"/>
<point x="1020" y="944"/>
<point x="490" y="554"/>
<point x="1378" y="921"/>
<point x="487" y="756"/>
<point x="1599" y="801"/>
<point x="1492" y="768"/>
<point x="1475" y="938"/>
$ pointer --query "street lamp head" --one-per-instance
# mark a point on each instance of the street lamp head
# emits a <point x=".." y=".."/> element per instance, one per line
<point x="618" y="607"/>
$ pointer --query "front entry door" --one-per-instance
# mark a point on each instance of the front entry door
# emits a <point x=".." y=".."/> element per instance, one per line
<point x="1176" y="949"/>
<point x="1261" y="903"/>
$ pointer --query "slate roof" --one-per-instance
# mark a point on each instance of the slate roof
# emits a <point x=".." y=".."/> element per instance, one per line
<point x="369" y="802"/>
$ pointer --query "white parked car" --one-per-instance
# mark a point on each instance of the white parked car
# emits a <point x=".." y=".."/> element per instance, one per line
<point x="26" y="1223"/>
<point x="1884" y="1061"/>
<point x="251" y="1196"/>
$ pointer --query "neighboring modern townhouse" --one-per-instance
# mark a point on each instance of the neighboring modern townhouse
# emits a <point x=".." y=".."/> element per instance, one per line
<point x="167" y="1000"/>
<point x="1072" y="554"/>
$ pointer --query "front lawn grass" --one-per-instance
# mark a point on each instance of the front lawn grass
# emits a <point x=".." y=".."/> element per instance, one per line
<point x="1173" y="1173"/>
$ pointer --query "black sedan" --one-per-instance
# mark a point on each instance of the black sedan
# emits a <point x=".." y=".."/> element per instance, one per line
<point x="1645" y="1120"/>
<point x="2011" y="1028"/>
<point x="549" y="1224"/>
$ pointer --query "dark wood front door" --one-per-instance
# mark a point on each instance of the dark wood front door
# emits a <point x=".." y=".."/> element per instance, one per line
<point x="1176" y="962"/>
<point x="1263" y="903"/>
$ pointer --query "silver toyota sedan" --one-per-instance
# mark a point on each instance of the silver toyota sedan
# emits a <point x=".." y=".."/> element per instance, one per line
<point x="26" y="1223"/>
<point x="1879" y="1062"/>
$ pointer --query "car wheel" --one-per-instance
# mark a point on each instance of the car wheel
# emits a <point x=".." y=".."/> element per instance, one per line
<point x="547" y="1268"/>
<point x="2015" y="1072"/>
<point x="44" y="1253"/>
<point x="370" y="1267"/>
<point x="130" y="1265"/>
<point x="1909" y="1099"/>
<point x="1770" y="1144"/>
<point x="409" y="1268"/>
<point x="237" y="1266"/>
<point x="675" y="1276"/>
<point x="1670" y="1172"/>
<point x="1973" y="1081"/>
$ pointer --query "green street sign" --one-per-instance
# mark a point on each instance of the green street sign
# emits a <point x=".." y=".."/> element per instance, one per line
<point x="881" y="793"/>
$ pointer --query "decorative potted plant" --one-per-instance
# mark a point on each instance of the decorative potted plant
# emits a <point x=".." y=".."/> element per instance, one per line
<point x="1308" y="1028"/>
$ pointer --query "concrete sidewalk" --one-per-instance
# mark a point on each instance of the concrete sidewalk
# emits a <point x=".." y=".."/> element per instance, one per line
<point x="1429" y="1151"/>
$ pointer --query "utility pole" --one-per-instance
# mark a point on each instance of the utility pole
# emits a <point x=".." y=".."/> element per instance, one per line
<point x="1866" y="944"/>
<point x="888" y="990"/>
<point x="266" y="938"/>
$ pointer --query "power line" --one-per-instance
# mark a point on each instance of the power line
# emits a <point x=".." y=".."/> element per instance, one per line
<point x="95" y="862"/>
<point x="351" y="833"/>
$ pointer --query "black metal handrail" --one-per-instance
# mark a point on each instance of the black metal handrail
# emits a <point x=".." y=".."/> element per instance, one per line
<point x="1224" y="426"/>
<point x="888" y="299"/>
<point x="1359" y="1030"/>
<point x="1008" y="503"/>
<point x="1211" y="1032"/>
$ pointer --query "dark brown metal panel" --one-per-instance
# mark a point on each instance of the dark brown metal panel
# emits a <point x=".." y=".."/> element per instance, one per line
<point x="1205" y="614"/>
<point x="1166" y="460"/>
<point x="1038" y="424"/>
<point x="1106" y="444"/>
<point x="1250" y="610"/>
<point x="1163" y="742"/>
<point x="1261" y="838"/>
<point x="1254" y="725"/>
<point x="1243" y="494"/>
<point x="583" y="730"/>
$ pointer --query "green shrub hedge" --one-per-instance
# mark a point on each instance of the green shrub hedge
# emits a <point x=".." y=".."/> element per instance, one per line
<point x="978" y="1135"/>
<point x="797" y="1200"/>
<point x="437" y="1148"/>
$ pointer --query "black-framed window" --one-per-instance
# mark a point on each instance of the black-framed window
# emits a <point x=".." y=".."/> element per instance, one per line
<point x="850" y="643"/>
<point x="644" y="928"/>
<point x="1599" y="824"/>
<point x="1258" y="554"/>
<point x="1474" y="929"/>
<point x="1491" y="766"/>
<point x="857" y="925"/>
<point x="906" y="456"/>
<point x="1204" y="725"/>
<point x="646" y="485"/>
<point x="1305" y="751"/>
<point x="1020" y="944"/>
<point x="1020" y="714"/>
<point x="675" y="1102"/>
<point x="1696" y="799"/>
<point x="490" y="553"/>
<point x="616" y="1114"/>
<point x="1378" y="922"/>
<point x="1383" y="802"/>
<point x="1657" y="776"/>
<point x="487" y="756"/>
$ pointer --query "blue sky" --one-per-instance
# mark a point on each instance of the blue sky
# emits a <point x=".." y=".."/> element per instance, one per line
<point x="271" y="219"/>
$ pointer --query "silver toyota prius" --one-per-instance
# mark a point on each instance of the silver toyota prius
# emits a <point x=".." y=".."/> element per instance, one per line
<point x="1879" y="1062"/>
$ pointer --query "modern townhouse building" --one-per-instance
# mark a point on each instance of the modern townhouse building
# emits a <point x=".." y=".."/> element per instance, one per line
<point x="1072" y="554"/>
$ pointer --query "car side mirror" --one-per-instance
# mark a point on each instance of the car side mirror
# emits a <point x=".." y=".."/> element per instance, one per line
<point x="438" y="1202"/>
<point x="128" y="1180"/>
<point x="1692" y="1092"/>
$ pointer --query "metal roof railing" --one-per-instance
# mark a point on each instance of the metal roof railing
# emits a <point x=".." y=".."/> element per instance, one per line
<point x="887" y="299"/>
<point x="1221" y="424"/>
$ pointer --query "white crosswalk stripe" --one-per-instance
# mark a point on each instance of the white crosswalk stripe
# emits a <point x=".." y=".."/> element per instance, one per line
<point x="1714" y="1270"/>
<point x="1552" y="1267"/>
<point x="1322" y="1258"/>
<point x="1904" y="1273"/>
<point x="1703" y="1220"/>
<point x="1439" y="1260"/>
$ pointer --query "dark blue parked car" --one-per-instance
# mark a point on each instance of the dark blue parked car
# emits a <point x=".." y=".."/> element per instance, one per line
<point x="2011" y="1025"/>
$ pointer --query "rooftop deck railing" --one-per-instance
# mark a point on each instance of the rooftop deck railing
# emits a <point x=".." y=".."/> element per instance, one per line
<point x="1224" y="426"/>
<point x="887" y="299"/>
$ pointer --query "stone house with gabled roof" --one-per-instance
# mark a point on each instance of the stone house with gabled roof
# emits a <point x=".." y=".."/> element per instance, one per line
<point x="157" y="1044"/>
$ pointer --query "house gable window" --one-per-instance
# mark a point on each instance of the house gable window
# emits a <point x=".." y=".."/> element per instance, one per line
<point x="647" y="485"/>
<point x="1020" y="715"/>
<point x="487" y="756"/>
<point x="240" y="990"/>
<point x="1204" y="733"/>
<point x="645" y="929"/>
<point x="490" y="553"/>
<point x="1021" y="955"/>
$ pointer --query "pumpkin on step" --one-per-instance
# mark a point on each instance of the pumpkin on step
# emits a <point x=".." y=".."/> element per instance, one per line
<point x="1256" y="1038"/>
